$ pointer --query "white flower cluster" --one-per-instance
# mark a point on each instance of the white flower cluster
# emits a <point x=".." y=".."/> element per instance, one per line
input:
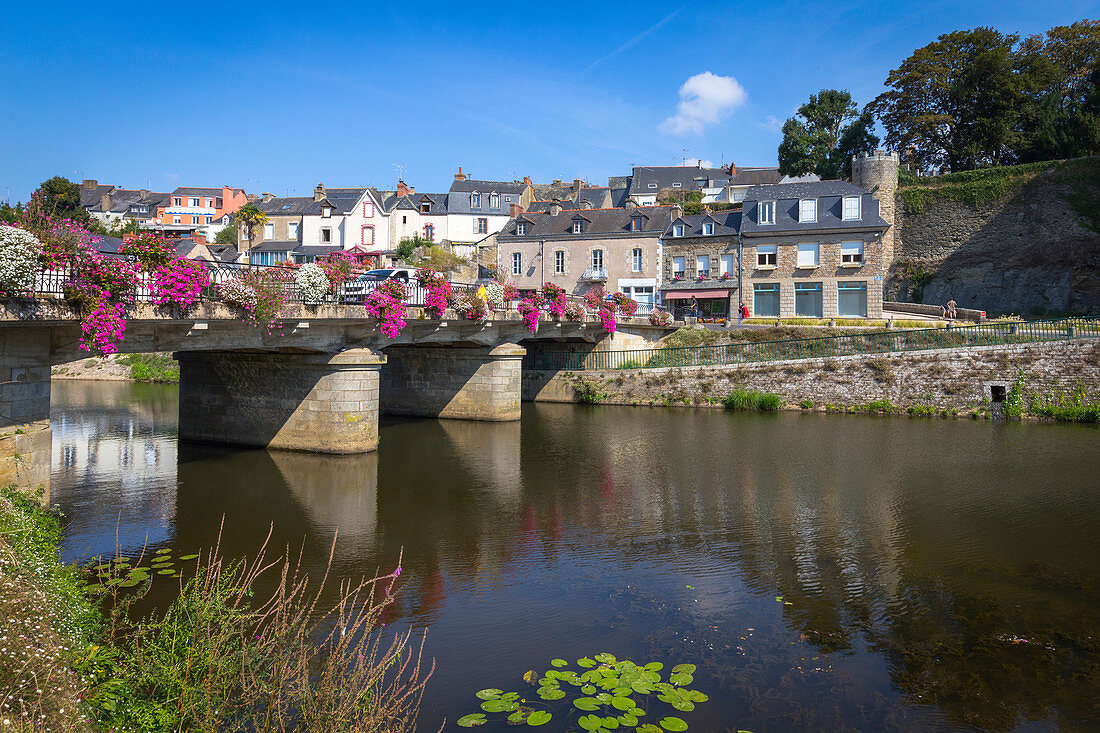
<point x="312" y="282"/>
<point x="18" y="258"/>
<point x="238" y="292"/>
<point x="494" y="291"/>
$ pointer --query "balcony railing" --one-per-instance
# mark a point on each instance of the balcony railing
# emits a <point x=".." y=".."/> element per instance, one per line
<point x="595" y="274"/>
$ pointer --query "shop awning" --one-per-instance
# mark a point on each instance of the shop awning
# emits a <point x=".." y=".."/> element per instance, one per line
<point x="685" y="294"/>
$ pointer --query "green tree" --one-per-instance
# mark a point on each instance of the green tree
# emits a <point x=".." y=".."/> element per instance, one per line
<point x="61" y="197"/>
<point x="228" y="235"/>
<point x="11" y="214"/>
<point x="822" y="138"/>
<point x="953" y="103"/>
<point x="406" y="248"/>
<point x="250" y="216"/>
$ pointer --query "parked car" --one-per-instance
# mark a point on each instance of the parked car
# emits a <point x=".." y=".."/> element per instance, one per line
<point x="368" y="281"/>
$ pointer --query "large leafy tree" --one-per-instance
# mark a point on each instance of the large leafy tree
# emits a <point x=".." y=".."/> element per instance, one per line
<point x="952" y="103"/>
<point x="61" y="197"/>
<point x="228" y="234"/>
<point x="822" y="138"/>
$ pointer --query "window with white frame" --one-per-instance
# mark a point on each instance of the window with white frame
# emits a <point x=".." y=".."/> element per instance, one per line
<point x="196" y="202"/>
<point x="269" y="231"/>
<point x="326" y="235"/>
<point x="678" y="230"/>
<point x="209" y="218"/>
<point x="851" y="208"/>
<point x="578" y="227"/>
<point x="176" y="219"/>
<point x="326" y="211"/>
<point x="429" y="232"/>
<point x="425" y="207"/>
<point x="702" y="266"/>
<point x="507" y="199"/>
<point x="521" y="228"/>
<point x="767" y="255"/>
<point x="177" y="201"/>
<point x="766" y="211"/>
<point x="851" y="253"/>
<point x="368" y="209"/>
<point x="636" y="260"/>
<point x="807" y="210"/>
<point x="676" y="184"/>
<point x="636" y="223"/>
<point x="808" y="255"/>
<point x="292" y="230"/>
<point x="726" y="266"/>
<point x="653" y="185"/>
<point x="517" y="263"/>
<point x="559" y="262"/>
<point x="678" y="264"/>
<point x="494" y="201"/>
<point x="482" y="226"/>
<point x="708" y="227"/>
<point x="475" y="200"/>
<point x="597" y="259"/>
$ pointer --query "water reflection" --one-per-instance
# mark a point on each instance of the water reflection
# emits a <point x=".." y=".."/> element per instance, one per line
<point x="825" y="572"/>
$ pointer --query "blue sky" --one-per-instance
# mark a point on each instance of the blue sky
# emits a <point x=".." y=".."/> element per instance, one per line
<point x="292" y="94"/>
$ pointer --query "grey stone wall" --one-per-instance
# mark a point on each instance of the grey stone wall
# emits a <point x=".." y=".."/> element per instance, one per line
<point x="25" y="435"/>
<point x="1027" y="253"/>
<point x="943" y="378"/>
<point x="310" y="402"/>
<point x="453" y="382"/>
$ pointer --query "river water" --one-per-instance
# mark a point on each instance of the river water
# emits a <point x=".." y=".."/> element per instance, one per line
<point x="824" y="572"/>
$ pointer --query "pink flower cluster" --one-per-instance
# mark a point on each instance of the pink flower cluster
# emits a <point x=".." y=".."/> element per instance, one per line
<point x="180" y="282"/>
<point x="387" y="304"/>
<point x="103" y="328"/>
<point x="625" y="305"/>
<point x="471" y="307"/>
<point x="608" y="319"/>
<point x="439" y="291"/>
<point x="556" y="302"/>
<point x="660" y="317"/>
<point x="66" y="240"/>
<point x="511" y="292"/>
<point x="529" y="309"/>
<point x="594" y="298"/>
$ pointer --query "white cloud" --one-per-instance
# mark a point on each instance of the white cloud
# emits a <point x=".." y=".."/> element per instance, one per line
<point x="772" y="123"/>
<point x="692" y="162"/>
<point x="704" y="100"/>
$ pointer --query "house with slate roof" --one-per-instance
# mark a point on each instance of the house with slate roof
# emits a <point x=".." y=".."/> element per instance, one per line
<point x="416" y="214"/>
<point x="300" y="229"/>
<point x="189" y="211"/>
<point x="116" y="205"/>
<point x="579" y="249"/>
<point x="476" y="209"/>
<point x="699" y="255"/>
<point x="812" y="249"/>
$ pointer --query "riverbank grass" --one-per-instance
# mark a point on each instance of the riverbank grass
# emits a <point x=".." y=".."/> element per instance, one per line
<point x="750" y="400"/>
<point x="158" y="368"/>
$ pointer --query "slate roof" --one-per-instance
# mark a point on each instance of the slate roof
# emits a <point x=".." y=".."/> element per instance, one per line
<point x="412" y="202"/>
<point x="755" y="177"/>
<point x="458" y="200"/>
<point x="829" y="195"/>
<point x="690" y="178"/>
<point x="123" y="198"/>
<point x="92" y="196"/>
<point x="502" y="187"/>
<point x="342" y="200"/>
<point x="726" y="224"/>
<point x="185" y="191"/>
<point x="598" y="222"/>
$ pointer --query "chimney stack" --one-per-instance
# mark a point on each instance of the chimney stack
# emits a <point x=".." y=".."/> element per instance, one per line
<point x="89" y="184"/>
<point x="585" y="204"/>
<point x="733" y="169"/>
<point x="555" y="209"/>
<point x="404" y="190"/>
<point x="577" y="184"/>
<point x="527" y="180"/>
<point x="267" y="196"/>
<point x="460" y="176"/>
<point x="319" y="192"/>
<point x="556" y="182"/>
<point x="677" y="212"/>
<point x="105" y="202"/>
<point x="514" y="210"/>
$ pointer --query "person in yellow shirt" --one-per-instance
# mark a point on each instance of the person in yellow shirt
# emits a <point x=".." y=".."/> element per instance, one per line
<point x="481" y="294"/>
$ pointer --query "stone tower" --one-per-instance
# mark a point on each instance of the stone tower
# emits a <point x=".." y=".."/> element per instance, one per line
<point x="877" y="172"/>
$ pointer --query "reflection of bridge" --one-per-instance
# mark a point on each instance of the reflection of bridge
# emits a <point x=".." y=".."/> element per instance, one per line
<point x="315" y="383"/>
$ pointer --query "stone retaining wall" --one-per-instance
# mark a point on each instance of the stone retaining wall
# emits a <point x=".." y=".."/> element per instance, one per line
<point x="951" y="379"/>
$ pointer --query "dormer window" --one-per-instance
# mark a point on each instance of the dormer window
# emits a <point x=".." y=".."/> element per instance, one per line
<point x="425" y="207"/>
<point x="636" y="224"/>
<point x="807" y="210"/>
<point x="678" y="230"/>
<point x="653" y="185"/>
<point x="851" y="208"/>
<point x="521" y="228"/>
<point x="326" y="211"/>
<point x="766" y="212"/>
<point x="494" y="201"/>
<point x="578" y="227"/>
<point x="676" y="184"/>
<point x="708" y="228"/>
<point x="475" y="200"/>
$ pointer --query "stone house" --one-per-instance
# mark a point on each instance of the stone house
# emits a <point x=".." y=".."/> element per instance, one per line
<point x="813" y="249"/>
<point x="581" y="248"/>
<point x="699" y="259"/>
<point x="476" y="209"/>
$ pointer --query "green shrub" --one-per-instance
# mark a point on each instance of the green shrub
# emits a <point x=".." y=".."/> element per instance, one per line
<point x="881" y="405"/>
<point x="807" y="404"/>
<point x="1068" y="406"/>
<point x="751" y="400"/>
<point x="159" y="368"/>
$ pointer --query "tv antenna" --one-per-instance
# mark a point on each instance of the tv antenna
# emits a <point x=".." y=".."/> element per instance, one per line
<point x="400" y="169"/>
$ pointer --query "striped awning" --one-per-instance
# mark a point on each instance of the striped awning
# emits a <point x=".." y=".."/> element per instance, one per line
<point x="685" y="294"/>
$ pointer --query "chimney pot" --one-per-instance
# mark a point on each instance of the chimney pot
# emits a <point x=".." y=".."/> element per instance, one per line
<point x="556" y="182"/>
<point x="144" y="194"/>
<point x="527" y="180"/>
<point x="577" y="183"/>
<point x="733" y="169"/>
<point x="460" y="176"/>
<point x="319" y="192"/>
<point x="267" y="196"/>
<point x="555" y="209"/>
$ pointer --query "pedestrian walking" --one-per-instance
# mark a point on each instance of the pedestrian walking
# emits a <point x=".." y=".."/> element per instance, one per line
<point x="952" y="307"/>
<point x="742" y="313"/>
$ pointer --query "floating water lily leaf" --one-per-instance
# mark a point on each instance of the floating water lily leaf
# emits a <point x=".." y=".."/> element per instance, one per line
<point x="539" y="717"/>
<point x="641" y="688"/>
<point x="685" y="706"/>
<point x="95" y="588"/>
<point x="166" y="572"/>
<point x="472" y="720"/>
<point x="586" y="703"/>
<point x="590" y="722"/>
<point x="531" y="676"/>
<point x="489" y="693"/>
<point x="102" y="566"/>
<point x="603" y="698"/>
<point x="610" y="723"/>
<point x="499" y="706"/>
<point x="681" y="678"/>
<point x="551" y="693"/>
<point x="163" y="551"/>
<point x="628" y="720"/>
<point x="622" y="703"/>
<point x="586" y="662"/>
<point x="636" y="712"/>
<point x="620" y="691"/>
<point x="559" y="663"/>
<point x="605" y="658"/>
<point x="696" y="696"/>
<point x="592" y="675"/>
<point x="651" y="676"/>
<point x="510" y="696"/>
<point x="129" y="583"/>
<point x="648" y="728"/>
<point x="609" y="683"/>
<point x="655" y="666"/>
<point x="673" y="723"/>
<point x="192" y="557"/>
<point x="685" y="668"/>
<point x="519" y="716"/>
<point x="123" y="558"/>
<point x="588" y="689"/>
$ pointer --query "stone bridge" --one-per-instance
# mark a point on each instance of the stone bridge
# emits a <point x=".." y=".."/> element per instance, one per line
<point x="316" y="382"/>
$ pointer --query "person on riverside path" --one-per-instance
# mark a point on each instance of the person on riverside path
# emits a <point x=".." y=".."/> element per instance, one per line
<point x="951" y="309"/>
<point x="695" y="308"/>
<point x="742" y="312"/>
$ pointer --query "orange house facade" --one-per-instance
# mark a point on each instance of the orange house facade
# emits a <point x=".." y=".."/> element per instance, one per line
<point x="197" y="212"/>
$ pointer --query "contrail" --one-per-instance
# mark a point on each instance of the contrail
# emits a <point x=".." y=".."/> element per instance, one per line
<point x="633" y="41"/>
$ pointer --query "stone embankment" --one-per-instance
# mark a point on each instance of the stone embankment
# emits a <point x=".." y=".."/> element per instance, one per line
<point x="942" y="381"/>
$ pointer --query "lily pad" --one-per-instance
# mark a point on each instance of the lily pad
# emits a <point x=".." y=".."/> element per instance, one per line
<point x="588" y="689"/>
<point x="610" y="723"/>
<point x="472" y="720"/>
<point x="655" y="666"/>
<point x="586" y="662"/>
<point x="685" y="668"/>
<point x="519" y="716"/>
<point x="499" y="706"/>
<point x="622" y="703"/>
<point x="531" y="677"/>
<point x="192" y="557"/>
<point x="590" y="722"/>
<point x="129" y="583"/>
<point x="605" y="658"/>
<point x="586" y="703"/>
<point x="166" y="572"/>
<point x="559" y="662"/>
<point x="673" y="723"/>
<point x="551" y="693"/>
<point x="681" y="678"/>
<point x="628" y="720"/>
<point x="539" y="717"/>
<point x="163" y="551"/>
<point x="648" y="728"/>
<point x="489" y="693"/>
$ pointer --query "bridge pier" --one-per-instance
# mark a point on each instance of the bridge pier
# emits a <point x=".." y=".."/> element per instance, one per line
<point x="25" y="435"/>
<point x="453" y="382"/>
<point x="321" y="403"/>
